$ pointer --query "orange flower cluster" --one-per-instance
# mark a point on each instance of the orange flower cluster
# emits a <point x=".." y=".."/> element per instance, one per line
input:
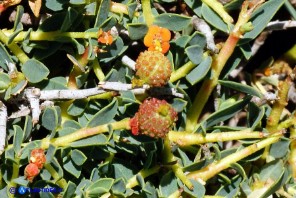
<point x="105" y="37"/>
<point x="157" y="39"/>
<point x="37" y="161"/>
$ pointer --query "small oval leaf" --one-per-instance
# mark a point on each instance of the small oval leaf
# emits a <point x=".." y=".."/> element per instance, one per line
<point x="179" y="22"/>
<point x="199" y="72"/>
<point x="35" y="71"/>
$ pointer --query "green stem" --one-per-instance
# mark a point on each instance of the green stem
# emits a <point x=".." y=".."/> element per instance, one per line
<point x="182" y="71"/>
<point x="219" y="9"/>
<point x="175" y="194"/>
<point x="118" y="8"/>
<point x="14" y="48"/>
<point x="278" y="106"/>
<point x="177" y="169"/>
<point x="218" y="63"/>
<point x="276" y="111"/>
<point x="51" y="36"/>
<point x="292" y="156"/>
<point x="147" y="11"/>
<point x="188" y="138"/>
<point x="214" y="168"/>
<point x="60" y="181"/>
<point x="83" y="133"/>
<point x="15" y="174"/>
<point x="132" y="182"/>
<point x="106" y="96"/>
<point x="98" y="70"/>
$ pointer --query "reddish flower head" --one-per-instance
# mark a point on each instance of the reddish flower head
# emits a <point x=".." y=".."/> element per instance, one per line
<point x="152" y="68"/>
<point x="31" y="171"/>
<point x="157" y="39"/>
<point x="154" y="118"/>
<point x="38" y="157"/>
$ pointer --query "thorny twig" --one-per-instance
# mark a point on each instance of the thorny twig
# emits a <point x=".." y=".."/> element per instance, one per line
<point x="35" y="95"/>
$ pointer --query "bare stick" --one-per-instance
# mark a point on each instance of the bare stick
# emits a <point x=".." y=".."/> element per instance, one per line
<point x="69" y="94"/>
<point x="204" y="28"/>
<point x="280" y="25"/>
<point x="33" y="96"/>
<point x="3" y="121"/>
<point x="24" y="110"/>
<point x="129" y="62"/>
<point x="102" y="88"/>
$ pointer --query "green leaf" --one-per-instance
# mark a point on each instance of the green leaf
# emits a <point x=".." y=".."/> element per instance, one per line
<point x="50" y="118"/>
<point x="198" y="38"/>
<point x="194" y="53"/>
<point x="77" y="107"/>
<point x="78" y="157"/>
<point x="69" y="19"/>
<point x="100" y="187"/>
<point x="273" y="173"/>
<point x="226" y="113"/>
<point x="90" y="141"/>
<point x="103" y="12"/>
<point x="4" y="57"/>
<point x="105" y="115"/>
<point x="195" y="6"/>
<point x="239" y="169"/>
<point x="19" y="87"/>
<point x="109" y="23"/>
<point x="4" y="81"/>
<point x="40" y="70"/>
<point x="179" y="104"/>
<point x="230" y="190"/>
<point x="22" y="181"/>
<point x="137" y="31"/>
<point x="56" y="5"/>
<point x="213" y="18"/>
<point x="54" y="83"/>
<point x="52" y="23"/>
<point x="50" y="153"/>
<point x="112" y="51"/>
<point x="132" y="6"/>
<point x="280" y="149"/>
<point x="168" y="184"/>
<point x="71" y="124"/>
<point x="198" y="189"/>
<point x="118" y="187"/>
<point x="240" y="87"/>
<point x="57" y="167"/>
<point x="179" y="22"/>
<point x="17" y="139"/>
<point x="261" y="17"/>
<point x="28" y="127"/>
<point x="255" y="115"/>
<point x="123" y="169"/>
<point x="199" y="72"/>
<point x="246" y="50"/>
<point x="91" y="8"/>
<point x="69" y="192"/>
<point x="18" y="26"/>
<point x="71" y="167"/>
<point x="233" y="5"/>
